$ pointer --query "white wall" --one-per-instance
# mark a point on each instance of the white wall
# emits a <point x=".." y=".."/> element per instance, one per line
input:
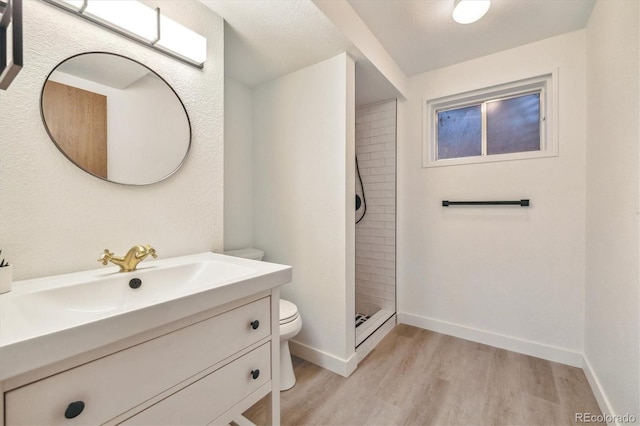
<point x="511" y="277"/>
<point x="304" y="187"/>
<point x="238" y="157"/>
<point x="612" y="337"/>
<point x="55" y="218"/>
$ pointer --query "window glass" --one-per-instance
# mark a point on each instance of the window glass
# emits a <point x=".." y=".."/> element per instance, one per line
<point x="513" y="125"/>
<point x="460" y="132"/>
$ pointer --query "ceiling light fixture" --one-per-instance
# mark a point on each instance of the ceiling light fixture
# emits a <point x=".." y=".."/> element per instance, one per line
<point x="468" y="11"/>
<point x="135" y="21"/>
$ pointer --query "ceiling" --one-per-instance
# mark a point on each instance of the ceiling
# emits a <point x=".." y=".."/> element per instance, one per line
<point x="265" y="39"/>
<point x="421" y="35"/>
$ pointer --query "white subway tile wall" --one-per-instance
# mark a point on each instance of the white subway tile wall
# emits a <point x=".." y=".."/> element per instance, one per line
<point x="376" y="233"/>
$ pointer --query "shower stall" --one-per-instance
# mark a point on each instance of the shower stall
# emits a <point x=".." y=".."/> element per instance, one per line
<point x="375" y="219"/>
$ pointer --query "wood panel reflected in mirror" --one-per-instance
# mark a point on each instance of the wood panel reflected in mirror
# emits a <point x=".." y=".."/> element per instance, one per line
<point x="115" y="118"/>
<point x="85" y="143"/>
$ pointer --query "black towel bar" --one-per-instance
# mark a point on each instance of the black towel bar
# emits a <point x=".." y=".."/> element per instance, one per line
<point x="521" y="203"/>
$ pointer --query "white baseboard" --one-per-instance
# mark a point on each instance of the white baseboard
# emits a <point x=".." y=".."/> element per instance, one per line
<point x="598" y="392"/>
<point x="343" y="367"/>
<point x="539" y="350"/>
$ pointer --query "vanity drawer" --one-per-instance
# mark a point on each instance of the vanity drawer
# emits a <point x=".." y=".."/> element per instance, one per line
<point x="116" y="383"/>
<point x="208" y="398"/>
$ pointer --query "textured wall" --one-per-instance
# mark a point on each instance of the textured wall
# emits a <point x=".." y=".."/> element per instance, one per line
<point x="510" y="277"/>
<point x="612" y="325"/>
<point x="376" y="232"/>
<point x="55" y="218"/>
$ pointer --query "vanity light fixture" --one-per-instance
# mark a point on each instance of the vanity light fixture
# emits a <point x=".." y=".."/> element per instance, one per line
<point x="140" y="23"/>
<point x="128" y="15"/>
<point x="468" y="11"/>
<point x="176" y="38"/>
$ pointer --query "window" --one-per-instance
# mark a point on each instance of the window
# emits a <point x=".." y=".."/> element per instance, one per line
<point x="507" y="122"/>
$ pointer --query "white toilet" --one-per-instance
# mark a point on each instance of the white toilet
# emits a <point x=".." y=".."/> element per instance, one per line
<point x="290" y="324"/>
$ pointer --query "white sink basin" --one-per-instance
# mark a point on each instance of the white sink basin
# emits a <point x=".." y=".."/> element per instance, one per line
<point x="111" y="292"/>
<point x="73" y="313"/>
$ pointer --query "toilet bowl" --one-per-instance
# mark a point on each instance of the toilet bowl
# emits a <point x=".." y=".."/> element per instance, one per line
<point x="290" y="324"/>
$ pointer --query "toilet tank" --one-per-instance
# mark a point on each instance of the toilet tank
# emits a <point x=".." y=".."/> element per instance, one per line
<point x="246" y="253"/>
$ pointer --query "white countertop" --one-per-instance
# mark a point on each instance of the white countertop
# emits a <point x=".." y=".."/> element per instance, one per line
<point x="45" y="320"/>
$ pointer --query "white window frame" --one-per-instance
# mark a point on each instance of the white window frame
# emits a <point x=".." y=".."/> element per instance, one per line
<point x="546" y="84"/>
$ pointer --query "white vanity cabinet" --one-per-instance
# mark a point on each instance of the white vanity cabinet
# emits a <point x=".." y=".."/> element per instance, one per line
<point x="204" y="369"/>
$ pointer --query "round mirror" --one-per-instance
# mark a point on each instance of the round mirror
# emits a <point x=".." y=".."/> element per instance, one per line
<point x="115" y="118"/>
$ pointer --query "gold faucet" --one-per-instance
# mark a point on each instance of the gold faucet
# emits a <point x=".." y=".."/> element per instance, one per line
<point x="128" y="262"/>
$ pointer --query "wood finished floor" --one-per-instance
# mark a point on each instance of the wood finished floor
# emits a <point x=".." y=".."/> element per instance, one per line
<point x="418" y="377"/>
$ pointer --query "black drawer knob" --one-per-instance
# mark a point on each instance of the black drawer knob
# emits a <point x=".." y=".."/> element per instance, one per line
<point x="74" y="409"/>
<point x="255" y="373"/>
<point x="255" y="324"/>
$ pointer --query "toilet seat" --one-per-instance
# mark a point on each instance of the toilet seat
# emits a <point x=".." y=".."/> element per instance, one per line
<point x="288" y="312"/>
